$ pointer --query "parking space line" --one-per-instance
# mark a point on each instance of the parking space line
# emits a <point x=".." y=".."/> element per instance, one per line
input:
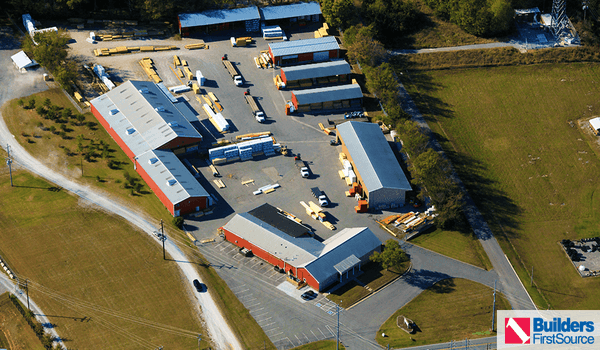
<point x="262" y="308"/>
<point x="249" y="306"/>
<point x="250" y="299"/>
<point x="322" y="333"/>
<point x="274" y="329"/>
<point x="264" y="313"/>
<point x="267" y="325"/>
<point x="307" y="340"/>
<point x="330" y="331"/>
<point x="268" y="318"/>
<point x="314" y="334"/>
<point x="241" y="291"/>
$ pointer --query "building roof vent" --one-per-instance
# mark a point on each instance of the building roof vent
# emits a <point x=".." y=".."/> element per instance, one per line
<point x="144" y="90"/>
<point x="173" y="124"/>
<point x="159" y="109"/>
<point x="113" y="111"/>
<point x="171" y="182"/>
<point x="152" y="160"/>
<point x="130" y="131"/>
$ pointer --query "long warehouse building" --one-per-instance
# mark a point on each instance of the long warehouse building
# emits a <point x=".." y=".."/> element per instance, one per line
<point x="306" y="75"/>
<point x="289" y="245"/>
<point x="304" y="51"/>
<point x="328" y="98"/>
<point x="149" y="128"/>
<point x="376" y="167"/>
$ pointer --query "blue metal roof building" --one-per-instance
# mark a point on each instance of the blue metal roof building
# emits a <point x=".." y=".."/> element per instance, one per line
<point x="331" y="97"/>
<point x="220" y="19"/>
<point x="304" y="51"/>
<point x="299" y="10"/>
<point x="316" y="70"/>
<point x="319" y="264"/>
<point x="376" y="167"/>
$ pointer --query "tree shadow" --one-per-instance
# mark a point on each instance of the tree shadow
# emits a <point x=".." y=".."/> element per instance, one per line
<point x="444" y="286"/>
<point x="424" y="279"/>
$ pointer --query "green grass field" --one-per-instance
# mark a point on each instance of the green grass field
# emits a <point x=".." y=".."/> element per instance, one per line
<point x="514" y="137"/>
<point x="100" y="281"/>
<point x="50" y="150"/>
<point x="15" y="333"/>
<point x="462" y="299"/>
<point x="457" y="245"/>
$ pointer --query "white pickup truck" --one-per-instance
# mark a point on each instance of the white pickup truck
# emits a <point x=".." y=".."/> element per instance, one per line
<point x="319" y="195"/>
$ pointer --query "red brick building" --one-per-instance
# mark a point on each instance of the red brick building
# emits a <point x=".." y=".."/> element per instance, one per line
<point x="289" y="245"/>
<point x="150" y="129"/>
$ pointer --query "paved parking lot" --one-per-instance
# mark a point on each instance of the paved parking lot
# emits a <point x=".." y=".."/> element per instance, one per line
<point x="288" y="320"/>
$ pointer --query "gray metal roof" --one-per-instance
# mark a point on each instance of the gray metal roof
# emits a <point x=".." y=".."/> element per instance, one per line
<point x="372" y="156"/>
<point x="141" y="108"/>
<point x="170" y="175"/>
<point x="339" y="250"/>
<point x="317" y="70"/>
<point x="296" y="47"/>
<point x="209" y="17"/>
<point x="292" y="10"/>
<point x="296" y="251"/>
<point x="319" y="258"/>
<point x="326" y="94"/>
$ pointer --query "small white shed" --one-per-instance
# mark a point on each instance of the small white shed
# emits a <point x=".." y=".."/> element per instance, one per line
<point x="595" y="125"/>
<point x="22" y="62"/>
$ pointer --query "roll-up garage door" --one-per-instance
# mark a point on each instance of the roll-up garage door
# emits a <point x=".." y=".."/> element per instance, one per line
<point x="321" y="56"/>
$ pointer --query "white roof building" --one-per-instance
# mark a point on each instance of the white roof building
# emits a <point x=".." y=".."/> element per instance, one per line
<point x="22" y="61"/>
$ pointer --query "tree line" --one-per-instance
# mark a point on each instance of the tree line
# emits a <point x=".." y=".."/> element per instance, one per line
<point x="144" y="10"/>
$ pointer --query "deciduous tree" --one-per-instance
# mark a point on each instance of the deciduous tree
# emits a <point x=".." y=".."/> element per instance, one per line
<point x="391" y="257"/>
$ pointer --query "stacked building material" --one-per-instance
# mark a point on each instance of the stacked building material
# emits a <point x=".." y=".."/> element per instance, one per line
<point x="243" y="151"/>
<point x="179" y="89"/>
<point x="196" y="46"/>
<point x="216" y="119"/>
<point x="273" y="33"/>
<point x="148" y="66"/>
<point x="101" y="73"/>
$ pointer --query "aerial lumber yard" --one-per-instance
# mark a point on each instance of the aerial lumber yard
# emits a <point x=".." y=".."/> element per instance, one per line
<point x="264" y="215"/>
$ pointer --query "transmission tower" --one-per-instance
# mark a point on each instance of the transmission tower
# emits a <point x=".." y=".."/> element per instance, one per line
<point x="561" y="26"/>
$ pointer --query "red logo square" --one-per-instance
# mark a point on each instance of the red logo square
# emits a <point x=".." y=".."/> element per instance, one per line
<point x="517" y="330"/>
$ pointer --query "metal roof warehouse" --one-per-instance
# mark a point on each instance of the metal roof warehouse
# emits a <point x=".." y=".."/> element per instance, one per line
<point x="332" y="97"/>
<point x="306" y="50"/>
<point x="375" y="164"/>
<point x="315" y="70"/>
<point x="302" y="9"/>
<point x="319" y="264"/>
<point x="221" y="18"/>
<point x="147" y="125"/>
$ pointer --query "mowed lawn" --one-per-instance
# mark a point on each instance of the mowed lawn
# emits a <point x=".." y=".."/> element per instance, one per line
<point x="452" y="309"/>
<point x="16" y="333"/>
<point x="534" y="175"/>
<point x="51" y="149"/>
<point x="100" y="281"/>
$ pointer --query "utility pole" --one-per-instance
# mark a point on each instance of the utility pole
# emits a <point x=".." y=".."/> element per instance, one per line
<point x="337" y="338"/>
<point x="467" y="344"/>
<point x="494" y="307"/>
<point x="27" y="289"/>
<point x="9" y="162"/>
<point x="81" y="165"/>
<point x="199" y="339"/>
<point x="164" y="238"/>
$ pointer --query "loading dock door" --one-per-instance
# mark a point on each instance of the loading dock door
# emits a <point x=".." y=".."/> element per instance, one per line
<point x="321" y="56"/>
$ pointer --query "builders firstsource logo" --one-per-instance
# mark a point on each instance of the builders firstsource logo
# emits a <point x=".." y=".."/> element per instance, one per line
<point x="548" y="329"/>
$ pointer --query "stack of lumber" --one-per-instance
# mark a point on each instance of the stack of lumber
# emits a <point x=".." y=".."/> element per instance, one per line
<point x="196" y="46"/>
<point x="219" y="183"/>
<point x="148" y="66"/>
<point x="253" y="135"/>
<point x="322" y="32"/>
<point x="127" y="49"/>
<point x="176" y="61"/>
<point x="188" y="73"/>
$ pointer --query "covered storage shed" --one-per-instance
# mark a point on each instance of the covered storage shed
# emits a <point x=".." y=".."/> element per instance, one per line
<point x="22" y="61"/>
<point x="319" y="264"/>
<point x="595" y="125"/>
<point x="327" y="98"/>
<point x="304" y="51"/>
<point x="247" y="18"/>
<point x="299" y="13"/>
<point x="377" y="169"/>
<point x="148" y="127"/>
<point x="317" y="73"/>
